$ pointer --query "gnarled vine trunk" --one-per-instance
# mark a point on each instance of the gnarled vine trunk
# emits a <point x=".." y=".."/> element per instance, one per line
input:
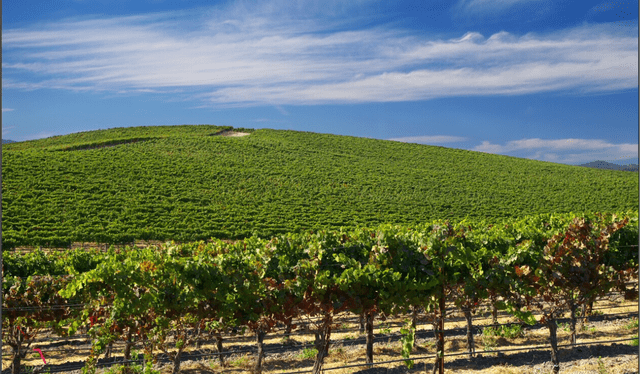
<point x="198" y="333"/>
<point x="186" y="339"/>
<point x="369" y="339"/>
<point x="573" y="306"/>
<point x="553" y="340"/>
<point x="494" y="312"/>
<point x="219" y="348"/>
<point x="127" y="346"/>
<point x="586" y="311"/>
<point x="149" y="358"/>
<point x="287" y="331"/>
<point x="15" y="359"/>
<point x="257" y="368"/>
<point x="436" y="326"/>
<point x="107" y="352"/>
<point x="438" y="366"/>
<point x="18" y="348"/>
<point x="176" y="361"/>
<point x="322" y="343"/>
<point x="470" y="344"/>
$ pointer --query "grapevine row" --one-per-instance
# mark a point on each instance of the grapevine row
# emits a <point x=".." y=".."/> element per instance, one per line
<point x="167" y="297"/>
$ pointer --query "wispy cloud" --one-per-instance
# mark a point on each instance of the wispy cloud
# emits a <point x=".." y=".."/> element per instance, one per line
<point x="267" y="120"/>
<point x="245" y="55"/>
<point x="568" y="151"/>
<point x="281" y="110"/>
<point x="6" y="110"/>
<point x="40" y="135"/>
<point x="7" y="130"/>
<point x="492" y="5"/>
<point x="609" y="6"/>
<point x="434" y="139"/>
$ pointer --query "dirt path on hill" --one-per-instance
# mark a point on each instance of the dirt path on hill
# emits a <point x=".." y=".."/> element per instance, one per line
<point x="232" y="133"/>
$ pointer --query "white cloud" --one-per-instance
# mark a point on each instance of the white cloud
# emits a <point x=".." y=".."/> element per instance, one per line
<point x="434" y="139"/>
<point x="6" y="110"/>
<point x="567" y="151"/>
<point x="265" y="54"/>
<point x="487" y="147"/>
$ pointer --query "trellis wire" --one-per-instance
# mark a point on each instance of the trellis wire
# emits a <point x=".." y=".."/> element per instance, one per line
<point x="384" y="336"/>
<point x="226" y="353"/>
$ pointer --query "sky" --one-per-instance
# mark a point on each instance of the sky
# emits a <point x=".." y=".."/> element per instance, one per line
<point x="539" y="79"/>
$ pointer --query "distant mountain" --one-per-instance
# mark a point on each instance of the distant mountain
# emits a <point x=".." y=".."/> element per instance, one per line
<point x="632" y="167"/>
<point x="7" y="141"/>
<point x="610" y="166"/>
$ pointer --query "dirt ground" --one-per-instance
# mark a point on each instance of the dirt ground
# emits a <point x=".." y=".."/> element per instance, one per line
<point x="348" y="349"/>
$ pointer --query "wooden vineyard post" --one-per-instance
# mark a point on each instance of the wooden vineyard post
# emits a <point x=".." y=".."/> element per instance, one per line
<point x="441" y="322"/>
<point x="439" y="364"/>
<point x="441" y="333"/>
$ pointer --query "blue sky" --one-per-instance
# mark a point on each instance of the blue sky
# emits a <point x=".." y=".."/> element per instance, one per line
<point x="547" y="80"/>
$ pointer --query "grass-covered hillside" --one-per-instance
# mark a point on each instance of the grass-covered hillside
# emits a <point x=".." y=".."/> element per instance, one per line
<point x="189" y="183"/>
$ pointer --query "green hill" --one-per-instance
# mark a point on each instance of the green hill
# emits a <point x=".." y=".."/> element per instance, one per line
<point x="190" y="183"/>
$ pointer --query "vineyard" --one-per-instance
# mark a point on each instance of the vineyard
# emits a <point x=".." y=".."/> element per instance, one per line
<point x="187" y="183"/>
<point x="169" y="300"/>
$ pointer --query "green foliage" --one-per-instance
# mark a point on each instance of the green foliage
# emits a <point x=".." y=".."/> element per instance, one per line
<point x="571" y="268"/>
<point x="338" y="350"/>
<point x="182" y="184"/>
<point x="121" y="369"/>
<point x="490" y="334"/>
<point x="37" y="262"/>
<point x="240" y="361"/>
<point x="308" y="353"/>
<point x="505" y="331"/>
<point x="564" y="326"/>
<point x="31" y="370"/>
<point x="408" y="340"/>
<point x="384" y="329"/>
<point x="633" y="325"/>
<point x="602" y="368"/>
<point x="489" y="343"/>
<point x="591" y="329"/>
<point x="132" y="368"/>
